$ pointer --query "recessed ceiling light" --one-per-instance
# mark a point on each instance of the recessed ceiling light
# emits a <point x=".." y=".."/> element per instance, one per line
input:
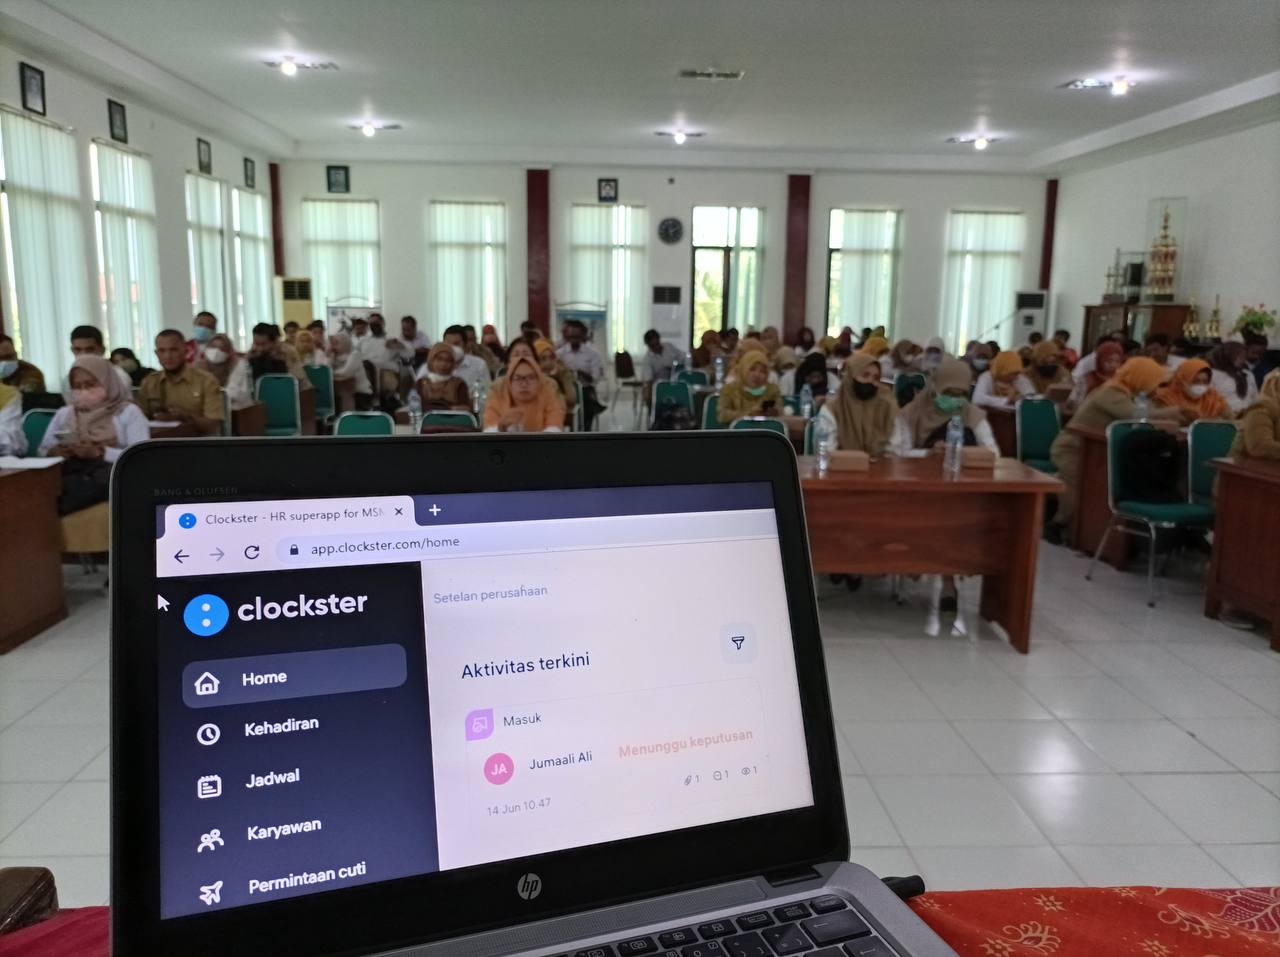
<point x="1118" y="86"/>
<point x="980" y="141"/>
<point x="368" y="129"/>
<point x="677" y="136"/>
<point x="711" y="73"/>
<point x="288" y="67"/>
<point x="372" y="127"/>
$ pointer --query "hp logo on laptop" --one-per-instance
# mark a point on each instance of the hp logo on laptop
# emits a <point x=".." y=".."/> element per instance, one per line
<point x="529" y="886"/>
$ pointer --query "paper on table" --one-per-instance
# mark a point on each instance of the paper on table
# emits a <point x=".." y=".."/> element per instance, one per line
<point x="915" y="454"/>
<point x="163" y="425"/>
<point x="13" y="462"/>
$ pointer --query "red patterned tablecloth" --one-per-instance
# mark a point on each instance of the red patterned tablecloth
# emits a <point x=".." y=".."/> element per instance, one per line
<point x="1027" y="922"/>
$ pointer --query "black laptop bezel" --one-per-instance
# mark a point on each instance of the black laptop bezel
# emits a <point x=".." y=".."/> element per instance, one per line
<point x="376" y="917"/>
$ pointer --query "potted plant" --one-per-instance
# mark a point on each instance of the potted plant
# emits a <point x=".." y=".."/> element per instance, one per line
<point x="1256" y="319"/>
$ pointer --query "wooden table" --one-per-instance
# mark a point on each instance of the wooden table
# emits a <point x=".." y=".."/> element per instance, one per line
<point x="1005" y="428"/>
<point x="904" y="516"/>
<point x="30" y="554"/>
<point x="307" y="410"/>
<point x="251" y="420"/>
<point x="1245" y="569"/>
<point x="344" y="395"/>
<point x="183" y="430"/>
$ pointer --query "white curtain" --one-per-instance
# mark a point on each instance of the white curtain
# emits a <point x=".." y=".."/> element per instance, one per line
<point x="343" y="250"/>
<point x="984" y="265"/>
<point x="608" y="263"/>
<point x="252" y="262"/>
<point x="863" y="280"/>
<point x="206" y="239"/>
<point x="469" y="263"/>
<point x="128" y="259"/>
<point x="43" y="241"/>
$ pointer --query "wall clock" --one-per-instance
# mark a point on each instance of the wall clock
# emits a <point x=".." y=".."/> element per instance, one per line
<point x="670" y="230"/>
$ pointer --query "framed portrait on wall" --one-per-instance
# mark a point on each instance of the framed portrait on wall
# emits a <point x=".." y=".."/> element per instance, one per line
<point x="338" y="179"/>
<point x="117" y="121"/>
<point x="204" y="156"/>
<point x="607" y="190"/>
<point x="32" y="83"/>
<point x="250" y="174"/>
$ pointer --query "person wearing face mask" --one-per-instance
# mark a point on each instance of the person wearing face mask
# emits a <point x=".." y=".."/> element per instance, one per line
<point x="180" y="393"/>
<point x="860" y="413"/>
<point x="229" y="369"/>
<point x="1190" y="393"/>
<point x="923" y="421"/>
<point x="18" y="373"/>
<point x="905" y="357"/>
<point x="813" y="372"/>
<point x="125" y="359"/>
<point x="935" y="351"/>
<point x="203" y="328"/>
<point x="750" y="392"/>
<point x="1110" y="403"/>
<point x="1231" y="376"/>
<point x="347" y="366"/>
<point x="1046" y="372"/>
<point x="92" y="431"/>
<point x="470" y="369"/>
<point x="1002" y="385"/>
<point x="524" y="400"/>
<point x="977" y="358"/>
<point x="439" y="388"/>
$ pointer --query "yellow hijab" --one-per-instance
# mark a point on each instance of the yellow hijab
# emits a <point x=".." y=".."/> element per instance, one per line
<point x="875" y="346"/>
<point x="1138" y="375"/>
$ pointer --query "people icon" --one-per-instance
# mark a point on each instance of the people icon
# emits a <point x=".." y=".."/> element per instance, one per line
<point x="210" y="841"/>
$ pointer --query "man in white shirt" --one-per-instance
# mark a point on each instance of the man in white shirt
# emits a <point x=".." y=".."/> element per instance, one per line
<point x="659" y="358"/>
<point x="1156" y="346"/>
<point x="470" y="369"/>
<point x="415" y="339"/>
<point x="586" y="363"/>
<point x="87" y="341"/>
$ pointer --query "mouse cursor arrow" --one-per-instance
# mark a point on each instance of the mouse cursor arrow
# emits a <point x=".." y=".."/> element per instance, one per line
<point x="162" y="603"/>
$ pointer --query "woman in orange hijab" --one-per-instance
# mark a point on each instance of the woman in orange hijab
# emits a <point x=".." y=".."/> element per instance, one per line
<point x="1190" y="393"/>
<point x="524" y="400"/>
<point x="1110" y="403"/>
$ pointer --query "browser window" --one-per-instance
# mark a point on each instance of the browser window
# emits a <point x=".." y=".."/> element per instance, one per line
<point x="357" y="690"/>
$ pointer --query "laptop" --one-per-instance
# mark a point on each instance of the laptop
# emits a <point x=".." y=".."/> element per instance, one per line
<point x="477" y="696"/>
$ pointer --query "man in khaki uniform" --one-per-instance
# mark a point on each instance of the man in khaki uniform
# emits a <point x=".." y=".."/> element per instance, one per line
<point x="178" y="392"/>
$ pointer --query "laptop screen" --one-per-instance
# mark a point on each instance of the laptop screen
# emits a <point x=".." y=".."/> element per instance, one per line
<point x="355" y="690"/>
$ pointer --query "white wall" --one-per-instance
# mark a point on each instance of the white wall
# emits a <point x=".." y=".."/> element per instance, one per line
<point x="81" y="103"/>
<point x="1232" y="243"/>
<point x="925" y="200"/>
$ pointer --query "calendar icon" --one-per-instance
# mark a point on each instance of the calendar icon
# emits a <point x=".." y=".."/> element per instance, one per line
<point x="209" y="786"/>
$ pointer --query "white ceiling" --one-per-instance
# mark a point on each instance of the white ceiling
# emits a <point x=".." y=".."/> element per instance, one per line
<point x="829" y="79"/>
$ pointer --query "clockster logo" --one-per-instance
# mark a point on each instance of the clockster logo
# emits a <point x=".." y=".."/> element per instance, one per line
<point x="205" y="615"/>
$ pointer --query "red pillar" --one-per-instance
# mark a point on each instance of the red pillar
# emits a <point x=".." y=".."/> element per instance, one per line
<point x="1046" y="243"/>
<point x="797" y="256"/>
<point x="538" y="217"/>
<point x="277" y="220"/>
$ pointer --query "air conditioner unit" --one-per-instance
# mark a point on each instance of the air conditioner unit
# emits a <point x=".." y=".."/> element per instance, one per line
<point x="1032" y="310"/>
<point x="293" y="300"/>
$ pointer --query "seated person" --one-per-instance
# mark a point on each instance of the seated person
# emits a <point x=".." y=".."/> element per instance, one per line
<point x="1069" y="356"/>
<point x="935" y="352"/>
<point x="905" y="357"/>
<point x="876" y="346"/>
<point x="1157" y="346"/>
<point x="1047" y="374"/>
<point x="1257" y="360"/>
<point x="179" y="393"/>
<point x="474" y="347"/>
<point x="318" y="336"/>
<point x="558" y="373"/>
<point x="290" y="330"/>
<point x="90" y="433"/>
<point x="349" y="367"/>
<point x="524" y="400"/>
<point x="269" y="356"/>
<point x="805" y="342"/>
<point x="978" y="358"/>
<point x="1231" y="376"/>
<point x="229" y="368"/>
<point x="1103" y="363"/>
<point x="1139" y="376"/>
<point x="813" y="371"/>
<point x="524" y="347"/>
<point x="18" y="373"/>
<point x="1001" y="386"/>
<point x="770" y="339"/>
<point x="309" y="354"/>
<point x="470" y="369"/>
<point x="87" y="341"/>
<point x="750" y="392"/>
<point x="490" y="339"/>
<point x="658" y="361"/>
<point x="1259" y="433"/>
<point x="1191" y="395"/>
<point x="203" y="328"/>
<point x="438" y="387"/>
<point x="125" y="359"/>
<point x="704" y="357"/>
<point x="784" y="360"/>
<point x="13" y="441"/>
<point x="860" y="413"/>
<point x="414" y="339"/>
<point x="922" y="423"/>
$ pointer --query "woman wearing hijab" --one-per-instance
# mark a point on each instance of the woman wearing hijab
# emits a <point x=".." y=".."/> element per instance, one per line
<point x="704" y="357"/>
<point x="1046" y="372"/>
<point x="923" y="421"/>
<point x="490" y="340"/>
<point x="935" y="352"/>
<point x="1110" y="403"/>
<point x="221" y="361"/>
<point x="557" y="372"/>
<point x="1259" y="433"/>
<point x="91" y="432"/>
<point x="524" y="400"/>
<point x="772" y="341"/>
<point x="308" y="352"/>
<point x="1107" y="358"/>
<point x="1189" y="392"/>
<point x="805" y="342"/>
<point x="784" y="362"/>
<point x="348" y="365"/>
<point x="1231" y="376"/>
<point x="750" y="392"/>
<point x="876" y="346"/>
<point x="439" y="389"/>
<point x="1002" y="385"/>
<point x="126" y="360"/>
<point x="860" y="413"/>
<point x="813" y="370"/>
<point x="905" y="357"/>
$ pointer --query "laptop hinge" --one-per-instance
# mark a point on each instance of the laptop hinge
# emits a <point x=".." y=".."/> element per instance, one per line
<point x="793" y="875"/>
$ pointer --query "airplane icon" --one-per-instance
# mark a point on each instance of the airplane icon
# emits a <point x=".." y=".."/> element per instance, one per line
<point x="162" y="603"/>
<point x="211" y="894"/>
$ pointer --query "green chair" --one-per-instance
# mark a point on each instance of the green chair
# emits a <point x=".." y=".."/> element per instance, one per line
<point x="279" y="392"/>
<point x="1139" y="518"/>
<point x="760" y="422"/>
<point x="578" y="413"/>
<point x="322" y="378"/>
<point x="906" y="385"/>
<point x="1207" y="439"/>
<point x="677" y="392"/>
<point x="1036" y="424"/>
<point x="226" y="413"/>
<point x="693" y="377"/>
<point x="809" y="430"/>
<point x="792" y="401"/>
<point x="453" y="417"/>
<point x="710" y="412"/>
<point x="35" y="423"/>
<point x="364" y="423"/>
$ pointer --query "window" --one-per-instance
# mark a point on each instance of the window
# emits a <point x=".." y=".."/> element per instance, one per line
<point x="40" y="217"/>
<point x="343" y="252"/>
<point x="984" y="265"/>
<point x="862" y="269"/>
<point x="128" y="258"/>
<point x="469" y="259"/>
<point x="608" y="263"/>
<point x="726" y="268"/>
<point x="252" y="248"/>
<point x="206" y="238"/>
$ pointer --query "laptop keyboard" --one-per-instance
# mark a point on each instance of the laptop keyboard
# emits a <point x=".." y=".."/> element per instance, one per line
<point x="822" y="927"/>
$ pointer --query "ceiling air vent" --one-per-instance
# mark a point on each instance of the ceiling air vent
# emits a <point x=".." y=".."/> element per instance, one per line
<point x="712" y="74"/>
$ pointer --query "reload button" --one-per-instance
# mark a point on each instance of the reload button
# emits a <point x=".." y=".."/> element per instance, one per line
<point x="298" y="674"/>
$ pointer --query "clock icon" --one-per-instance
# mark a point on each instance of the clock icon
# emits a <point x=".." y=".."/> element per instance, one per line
<point x="670" y="230"/>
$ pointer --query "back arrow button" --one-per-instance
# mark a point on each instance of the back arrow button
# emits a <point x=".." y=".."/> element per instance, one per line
<point x="179" y="555"/>
<point x="217" y="554"/>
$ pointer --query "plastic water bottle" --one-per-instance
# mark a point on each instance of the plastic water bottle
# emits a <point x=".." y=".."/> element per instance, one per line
<point x="720" y="361"/>
<point x="806" y="401"/>
<point x="688" y="360"/>
<point x="823" y="440"/>
<point x="1142" y="406"/>
<point x="955" y="443"/>
<point x="477" y="399"/>
<point x="415" y="411"/>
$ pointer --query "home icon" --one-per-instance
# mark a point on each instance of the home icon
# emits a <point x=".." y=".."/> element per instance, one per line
<point x="206" y="684"/>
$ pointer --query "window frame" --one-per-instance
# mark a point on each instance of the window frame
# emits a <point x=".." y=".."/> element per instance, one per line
<point x="896" y="268"/>
<point x="728" y="296"/>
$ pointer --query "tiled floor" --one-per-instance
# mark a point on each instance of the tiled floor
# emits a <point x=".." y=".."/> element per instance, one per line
<point x="1131" y="746"/>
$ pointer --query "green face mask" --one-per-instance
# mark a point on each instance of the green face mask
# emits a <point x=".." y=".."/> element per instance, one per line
<point x="757" y="391"/>
<point x="949" y="404"/>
